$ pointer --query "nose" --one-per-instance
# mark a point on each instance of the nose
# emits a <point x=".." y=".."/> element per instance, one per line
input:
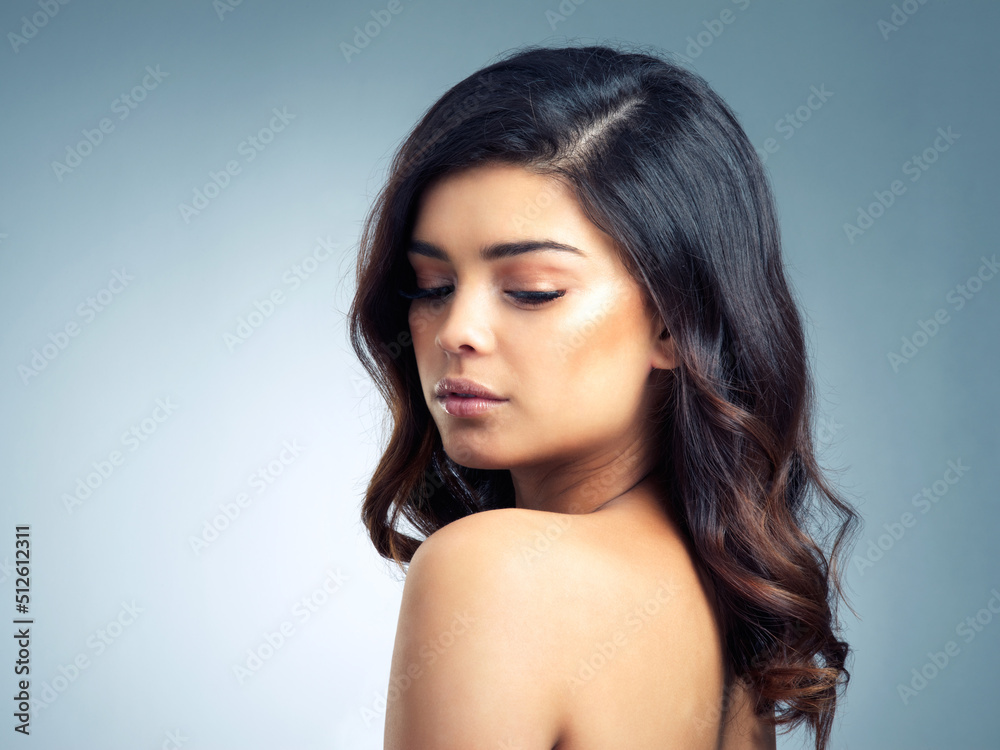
<point x="464" y="324"/>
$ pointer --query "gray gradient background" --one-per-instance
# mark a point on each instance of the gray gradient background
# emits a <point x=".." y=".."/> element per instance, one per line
<point x="886" y="433"/>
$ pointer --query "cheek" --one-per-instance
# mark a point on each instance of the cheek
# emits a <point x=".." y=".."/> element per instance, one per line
<point x="599" y="333"/>
<point x="419" y="338"/>
<point x="423" y="324"/>
<point x="420" y="318"/>
<point x="596" y="354"/>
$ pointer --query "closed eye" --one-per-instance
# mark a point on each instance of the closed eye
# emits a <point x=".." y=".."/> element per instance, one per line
<point x="532" y="299"/>
<point x="536" y="298"/>
<point x="434" y="293"/>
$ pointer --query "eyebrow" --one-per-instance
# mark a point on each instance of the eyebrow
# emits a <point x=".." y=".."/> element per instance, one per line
<point x="496" y="250"/>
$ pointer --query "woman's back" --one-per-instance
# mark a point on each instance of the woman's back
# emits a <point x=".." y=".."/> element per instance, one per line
<point x="650" y="671"/>
<point x="634" y="656"/>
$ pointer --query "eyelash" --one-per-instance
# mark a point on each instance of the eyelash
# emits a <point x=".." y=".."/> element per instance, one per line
<point x="533" y="299"/>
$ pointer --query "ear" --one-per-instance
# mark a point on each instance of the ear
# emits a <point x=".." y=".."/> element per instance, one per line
<point x="664" y="355"/>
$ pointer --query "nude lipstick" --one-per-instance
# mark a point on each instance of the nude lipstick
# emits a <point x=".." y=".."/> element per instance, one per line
<point x="466" y="398"/>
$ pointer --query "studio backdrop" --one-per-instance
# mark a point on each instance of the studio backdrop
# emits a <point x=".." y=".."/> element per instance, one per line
<point x="187" y="434"/>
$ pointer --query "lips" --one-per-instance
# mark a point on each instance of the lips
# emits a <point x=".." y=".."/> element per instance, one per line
<point x="462" y="387"/>
<point x="466" y="399"/>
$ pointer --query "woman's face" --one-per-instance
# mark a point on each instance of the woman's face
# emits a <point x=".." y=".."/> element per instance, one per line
<point x="561" y="336"/>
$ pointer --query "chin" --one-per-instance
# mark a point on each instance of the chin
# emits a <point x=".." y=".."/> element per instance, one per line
<point x="479" y="457"/>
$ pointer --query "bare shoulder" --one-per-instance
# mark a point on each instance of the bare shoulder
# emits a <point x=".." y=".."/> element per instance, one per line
<point x="532" y="629"/>
<point x="514" y="570"/>
<point x="524" y="563"/>
<point x="495" y="536"/>
<point x="562" y="573"/>
<point x="472" y="642"/>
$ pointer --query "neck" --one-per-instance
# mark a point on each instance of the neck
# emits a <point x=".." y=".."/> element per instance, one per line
<point x="582" y="487"/>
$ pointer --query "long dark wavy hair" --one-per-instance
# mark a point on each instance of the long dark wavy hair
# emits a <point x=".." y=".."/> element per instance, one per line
<point x="659" y="162"/>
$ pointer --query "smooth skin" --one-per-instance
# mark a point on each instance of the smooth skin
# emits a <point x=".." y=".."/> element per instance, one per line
<point x="578" y="619"/>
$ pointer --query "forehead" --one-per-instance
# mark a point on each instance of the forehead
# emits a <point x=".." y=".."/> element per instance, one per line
<point x="482" y="206"/>
<point x="501" y="179"/>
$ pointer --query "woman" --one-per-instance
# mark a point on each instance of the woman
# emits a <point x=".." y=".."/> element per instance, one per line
<point x="571" y="295"/>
